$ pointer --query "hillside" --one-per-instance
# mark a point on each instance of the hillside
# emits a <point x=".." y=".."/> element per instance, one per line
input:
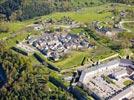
<point x="26" y="9"/>
<point x="34" y="76"/>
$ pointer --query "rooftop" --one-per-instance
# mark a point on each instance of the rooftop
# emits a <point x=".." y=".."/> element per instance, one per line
<point x="97" y="67"/>
<point x="105" y="87"/>
<point x="58" y="44"/>
<point x="127" y="93"/>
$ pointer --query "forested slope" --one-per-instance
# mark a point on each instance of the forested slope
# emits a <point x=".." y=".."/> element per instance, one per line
<point x="26" y="9"/>
<point x="25" y="81"/>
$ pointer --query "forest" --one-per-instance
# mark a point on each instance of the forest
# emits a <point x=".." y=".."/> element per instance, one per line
<point x="25" y="81"/>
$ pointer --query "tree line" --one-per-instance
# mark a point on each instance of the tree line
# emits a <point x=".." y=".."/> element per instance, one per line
<point x="26" y="9"/>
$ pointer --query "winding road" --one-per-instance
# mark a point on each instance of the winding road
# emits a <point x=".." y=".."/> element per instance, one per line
<point x="122" y="27"/>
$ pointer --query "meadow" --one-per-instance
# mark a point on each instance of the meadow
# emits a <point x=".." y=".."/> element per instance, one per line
<point x="84" y="15"/>
<point x="89" y="14"/>
<point x="130" y="26"/>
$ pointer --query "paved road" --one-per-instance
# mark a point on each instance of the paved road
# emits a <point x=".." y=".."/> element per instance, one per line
<point x="122" y="27"/>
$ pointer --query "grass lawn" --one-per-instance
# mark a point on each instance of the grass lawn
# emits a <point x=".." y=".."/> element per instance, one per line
<point x="84" y="15"/>
<point x="107" y="79"/>
<point x="32" y="59"/>
<point x="128" y="82"/>
<point x="130" y="26"/>
<point x="19" y="37"/>
<point x="101" y="53"/>
<point x="77" y="30"/>
<point x="52" y="86"/>
<point x="16" y="25"/>
<point x="73" y="60"/>
<point x="90" y="14"/>
<point x="4" y="35"/>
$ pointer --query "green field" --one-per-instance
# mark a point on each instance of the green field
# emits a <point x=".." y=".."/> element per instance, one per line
<point x="73" y="60"/>
<point x="130" y="26"/>
<point x="76" y="58"/>
<point x="128" y="82"/>
<point x="85" y="15"/>
<point x="4" y="35"/>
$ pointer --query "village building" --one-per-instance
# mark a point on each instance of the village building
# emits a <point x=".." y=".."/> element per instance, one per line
<point x="37" y="27"/>
<point x="106" y="66"/>
<point x="119" y="74"/>
<point x="127" y="94"/>
<point x="94" y="78"/>
<point x="103" y="30"/>
<point x="54" y="46"/>
<point x="97" y="69"/>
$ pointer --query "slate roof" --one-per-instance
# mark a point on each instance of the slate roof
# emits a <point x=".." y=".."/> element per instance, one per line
<point x="97" y="67"/>
<point x="124" y="93"/>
